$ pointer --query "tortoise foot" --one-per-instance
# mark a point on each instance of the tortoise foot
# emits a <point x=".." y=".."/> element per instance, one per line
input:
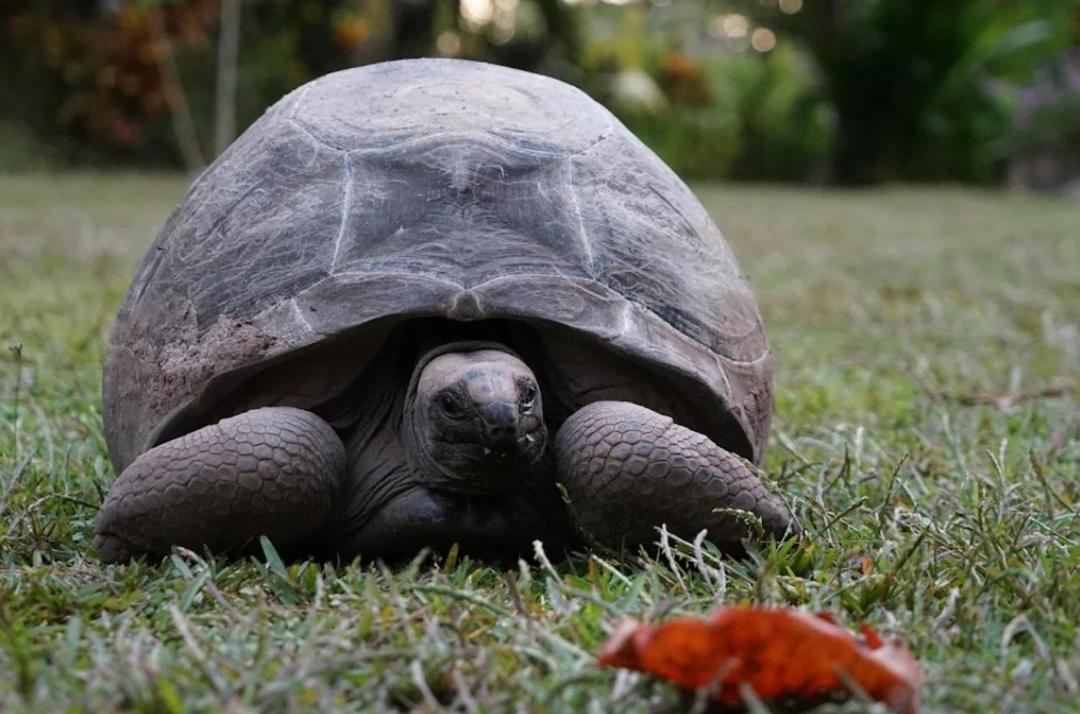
<point x="273" y="471"/>
<point x="627" y="470"/>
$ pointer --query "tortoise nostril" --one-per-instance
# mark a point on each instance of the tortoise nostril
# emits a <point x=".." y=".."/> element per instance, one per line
<point x="501" y="437"/>
<point x="500" y="426"/>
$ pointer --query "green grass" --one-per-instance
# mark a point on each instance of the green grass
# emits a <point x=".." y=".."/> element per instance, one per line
<point x="927" y="433"/>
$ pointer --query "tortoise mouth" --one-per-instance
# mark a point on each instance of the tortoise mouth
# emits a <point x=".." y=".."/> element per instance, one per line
<point x="491" y="527"/>
<point x="481" y="468"/>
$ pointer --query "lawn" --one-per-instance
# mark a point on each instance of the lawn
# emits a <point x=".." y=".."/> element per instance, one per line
<point x="927" y="348"/>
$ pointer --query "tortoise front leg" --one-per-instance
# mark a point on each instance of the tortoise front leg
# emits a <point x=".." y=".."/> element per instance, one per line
<point x="627" y="469"/>
<point x="273" y="471"/>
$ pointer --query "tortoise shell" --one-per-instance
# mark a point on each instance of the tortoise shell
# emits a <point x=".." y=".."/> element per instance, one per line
<point x="434" y="189"/>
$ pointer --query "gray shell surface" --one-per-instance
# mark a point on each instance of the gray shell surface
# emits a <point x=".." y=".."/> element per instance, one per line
<point x="437" y="188"/>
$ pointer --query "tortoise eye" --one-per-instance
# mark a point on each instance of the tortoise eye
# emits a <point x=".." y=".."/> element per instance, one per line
<point x="450" y="405"/>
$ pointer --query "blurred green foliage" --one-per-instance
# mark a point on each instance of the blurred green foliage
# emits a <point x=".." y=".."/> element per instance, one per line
<point x="844" y="90"/>
<point x="1045" y="135"/>
<point x="763" y="120"/>
<point x="759" y="118"/>
<point x="921" y="89"/>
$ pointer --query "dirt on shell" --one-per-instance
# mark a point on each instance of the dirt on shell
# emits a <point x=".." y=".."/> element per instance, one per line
<point x="187" y="364"/>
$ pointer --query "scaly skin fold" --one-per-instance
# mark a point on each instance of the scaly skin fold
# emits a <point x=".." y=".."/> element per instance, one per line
<point x="274" y="471"/>
<point x="627" y="469"/>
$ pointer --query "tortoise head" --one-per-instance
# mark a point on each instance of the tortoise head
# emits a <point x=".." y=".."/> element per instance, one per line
<point x="474" y="420"/>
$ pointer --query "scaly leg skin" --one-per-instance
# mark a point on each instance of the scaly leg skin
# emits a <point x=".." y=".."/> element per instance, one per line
<point x="273" y="471"/>
<point x="627" y="469"/>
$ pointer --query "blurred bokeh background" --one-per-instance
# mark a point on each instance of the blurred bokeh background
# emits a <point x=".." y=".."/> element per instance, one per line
<point x="826" y="91"/>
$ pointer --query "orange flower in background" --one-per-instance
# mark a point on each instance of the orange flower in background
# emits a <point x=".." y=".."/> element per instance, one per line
<point x="781" y="654"/>
<point x="684" y="80"/>
<point x="350" y="33"/>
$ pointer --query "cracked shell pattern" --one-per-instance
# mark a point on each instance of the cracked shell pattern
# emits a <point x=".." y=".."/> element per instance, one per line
<point x="273" y="471"/>
<point x="628" y="469"/>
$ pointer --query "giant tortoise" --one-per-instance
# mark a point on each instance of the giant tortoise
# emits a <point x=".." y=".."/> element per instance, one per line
<point x="431" y="302"/>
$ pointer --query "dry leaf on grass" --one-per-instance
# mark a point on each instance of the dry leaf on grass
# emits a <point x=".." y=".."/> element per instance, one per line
<point x="782" y="655"/>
